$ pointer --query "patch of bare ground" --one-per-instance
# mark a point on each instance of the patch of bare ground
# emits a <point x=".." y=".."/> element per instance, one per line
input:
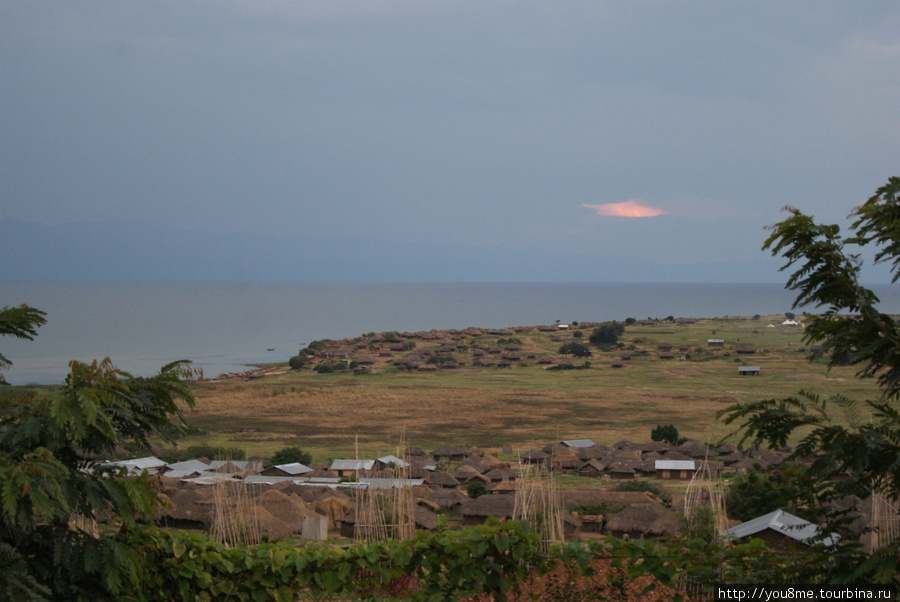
<point x="811" y="375"/>
<point x="608" y="581"/>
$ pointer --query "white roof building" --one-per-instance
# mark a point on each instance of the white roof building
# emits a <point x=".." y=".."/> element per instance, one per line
<point x="674" y="465"/>
<point x="352" y="465"/>
<point x="786" y="524"/>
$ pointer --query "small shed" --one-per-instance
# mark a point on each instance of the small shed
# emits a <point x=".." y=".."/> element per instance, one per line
<point x="347" y="468"/>
<point x="748" y="370"/>
<point x="675" y="469"/>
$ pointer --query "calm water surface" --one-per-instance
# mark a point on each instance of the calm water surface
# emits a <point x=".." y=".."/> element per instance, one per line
<point x="222" y="327"/>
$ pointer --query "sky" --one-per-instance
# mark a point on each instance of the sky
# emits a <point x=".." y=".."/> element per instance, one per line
<point x="666" y="132"/>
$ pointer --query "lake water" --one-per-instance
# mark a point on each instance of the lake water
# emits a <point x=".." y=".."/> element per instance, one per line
<point x="223" y="326"/>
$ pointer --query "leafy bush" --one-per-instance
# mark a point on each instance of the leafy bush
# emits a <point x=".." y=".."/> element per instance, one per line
<point x="289" y="455"/>
<point x="645" y="487"/>
<point x="575" y="349"/>
<point x="297" y="362"/>
<point x="756" y="493"/>
<point x="607" y="333"/>
<point x="666" y="434"/>
<point x="203" y="450"/>
<point x="476" y="489"/>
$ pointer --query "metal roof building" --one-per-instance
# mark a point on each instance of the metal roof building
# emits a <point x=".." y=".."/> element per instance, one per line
<point x="785" y="524"/>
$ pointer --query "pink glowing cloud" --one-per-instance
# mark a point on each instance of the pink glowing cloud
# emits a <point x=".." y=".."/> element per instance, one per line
<point x="630" y="208"/>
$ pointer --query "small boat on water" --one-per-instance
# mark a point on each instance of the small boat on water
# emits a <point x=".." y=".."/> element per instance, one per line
<point x="270" y="349"/>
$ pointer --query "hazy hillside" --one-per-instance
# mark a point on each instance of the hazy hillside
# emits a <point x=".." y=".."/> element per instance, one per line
<point x="134" y="251"/>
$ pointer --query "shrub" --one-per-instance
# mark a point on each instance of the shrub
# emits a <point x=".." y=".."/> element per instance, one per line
<point x="289" y="455"/>
<point x="575" y="349"/>
<point x="607" y="333"/>
<point x="476" y="489"/>
<point x="297" y="362"/>
<point x="666" y="434"/>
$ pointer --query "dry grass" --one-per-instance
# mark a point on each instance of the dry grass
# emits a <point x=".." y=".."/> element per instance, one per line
<point x="522" y="406"/>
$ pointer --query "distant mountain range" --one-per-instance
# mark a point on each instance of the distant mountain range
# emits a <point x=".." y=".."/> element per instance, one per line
<point x="134" y="251"/>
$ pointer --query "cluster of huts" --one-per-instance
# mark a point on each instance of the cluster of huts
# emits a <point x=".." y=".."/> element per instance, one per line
<point x="441" y="350"/>
<point x="309" y="501"/>
<point x="431" y="351"/>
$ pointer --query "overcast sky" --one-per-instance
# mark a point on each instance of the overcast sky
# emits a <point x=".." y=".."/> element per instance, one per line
<point x="672" y="131"/>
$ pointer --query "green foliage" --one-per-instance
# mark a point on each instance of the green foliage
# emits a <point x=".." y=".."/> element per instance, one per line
<point x="666" y="434"/>
<point x="575" y="349"/>
<point x="755" y="493"/>
<point x="440" y="565"/>
<point x="329" y="367"/>
<point x="567" y="366"/>
<point x="864" y="454"/>
<point x="48" y="481"/>
<point x="645" y="487"/>
<point x="298" y="361"/>
<point x="438" y="359"/>
<point x="204" y="450"/>
<point x="315" y="346"/>
<point x="20" y="322"/>
<point x="607" y="333"/>
<point x="476" y="489"/>
<point x="289" y="455"/>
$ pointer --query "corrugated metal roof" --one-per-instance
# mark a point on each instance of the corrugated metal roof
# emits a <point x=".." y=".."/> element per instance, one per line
<point x="294" y="468"/>
<point x="675" y="465"/>
<point x="392" y="459"/>
<point x="390" y="483"/>
<point x="579" y="443"/>
<point x="189" y="465"/>
<point x="784" y="523"/>
<point x="352" y="465"/>
<point x="264" y="480"/>
<point x="140" y="464"/>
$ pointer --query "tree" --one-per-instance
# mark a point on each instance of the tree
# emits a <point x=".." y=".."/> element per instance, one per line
<point x="298" y="361"/>
<point x="607" y="333"/>
<point x="289" y="455"/>
<point x="756" y="493"/>
<point x="666" y="434"/>
<point x="21" y="322"/>
<point x="50" y="487"/>
<point x="851" y="329"/>
<point x="476" y="489"/>
<point x="575" y="349"/>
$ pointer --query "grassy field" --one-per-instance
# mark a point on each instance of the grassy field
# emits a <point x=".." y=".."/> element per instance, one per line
<point x="523" y="406"/>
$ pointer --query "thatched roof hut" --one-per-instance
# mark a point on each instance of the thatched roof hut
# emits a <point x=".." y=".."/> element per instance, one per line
<point x="467" y="473"/>
<point x="414" y="452"/>
<point x="448" y="500"/>
<point x="191" y="504"/>
<point x="448" y="452"/>
<point x="577" y="497"/>
<point x="477" y="510"/>
<point x="503" y="487"/>
<point x="281" y="515"/>
<point x="441" y="479"/>
<point x="642" y="520"/>
<point x="595" y="452"/>
<point x="534" y="456"/>
<point x="333" y="506"/>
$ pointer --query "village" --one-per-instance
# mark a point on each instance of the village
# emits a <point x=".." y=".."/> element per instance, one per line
<point x="643" y="491"/>
<point x="626" y="489"/>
